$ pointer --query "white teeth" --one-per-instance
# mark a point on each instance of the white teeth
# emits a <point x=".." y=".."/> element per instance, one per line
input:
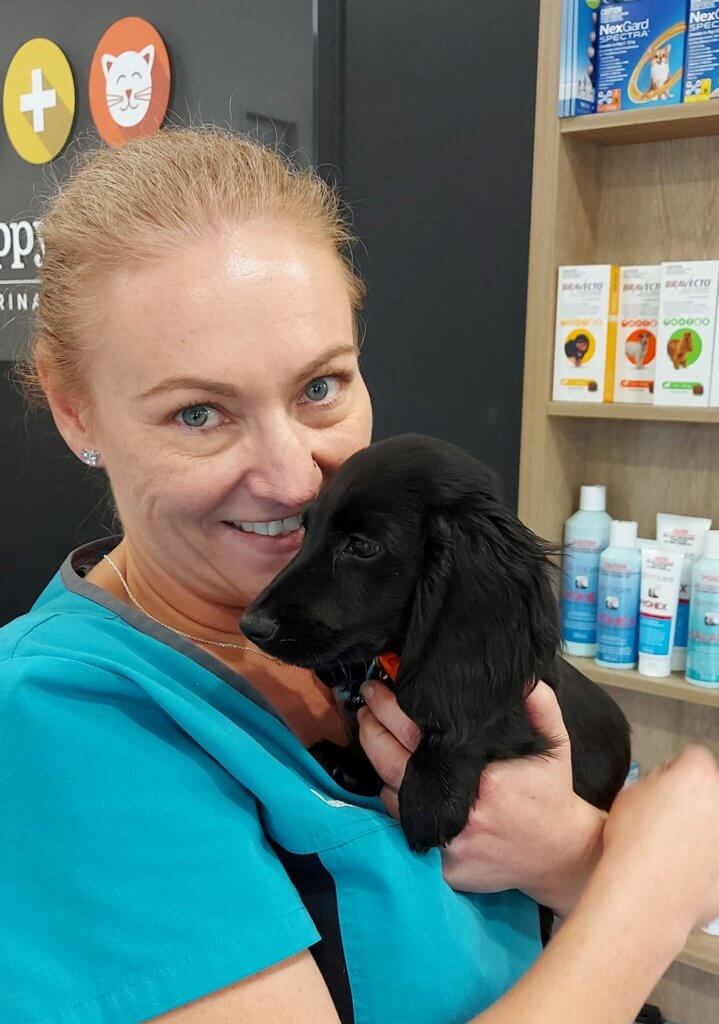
<point x="272" y="528"/>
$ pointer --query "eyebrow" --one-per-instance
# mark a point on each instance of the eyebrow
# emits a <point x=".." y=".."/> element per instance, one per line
<point x="219" y="387"/>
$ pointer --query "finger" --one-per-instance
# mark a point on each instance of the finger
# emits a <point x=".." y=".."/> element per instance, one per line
<point x="546" y="715"/>
<point x="383" y="704"/>
<point x="384" y="750"/>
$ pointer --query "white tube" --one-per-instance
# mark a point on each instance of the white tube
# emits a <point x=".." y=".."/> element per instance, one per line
<point x="682" y="533"/>
<point x="658" y="600"/>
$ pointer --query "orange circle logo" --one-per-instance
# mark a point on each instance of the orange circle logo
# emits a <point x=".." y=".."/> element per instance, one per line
<point x="129" y="81"/>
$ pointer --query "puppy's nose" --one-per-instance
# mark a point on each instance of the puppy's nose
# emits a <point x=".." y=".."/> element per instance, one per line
<point x="258" y="627"/>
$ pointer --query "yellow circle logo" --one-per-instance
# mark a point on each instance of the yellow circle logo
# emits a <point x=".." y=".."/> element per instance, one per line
<point x="38" y="100"/>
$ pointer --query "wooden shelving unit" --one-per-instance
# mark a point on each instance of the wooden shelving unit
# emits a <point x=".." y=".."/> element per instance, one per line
<point x="674" y="687"/>
<point x="619" y="411"/>
<point x="629" y="187"/>
<point x="654" y="124"/>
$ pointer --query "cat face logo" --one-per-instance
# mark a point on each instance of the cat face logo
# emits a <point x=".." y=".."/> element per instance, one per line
<point x="128" y="89"/>
<point x="129" y="81"/>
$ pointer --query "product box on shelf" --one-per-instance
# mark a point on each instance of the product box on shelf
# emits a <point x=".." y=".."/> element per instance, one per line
<point x="701" y="62"/>
<point x="585" y="331"/>
<point x="637" y="320"/>
<point x="640" y="54"/>
<point x="578" y="57"/>
<point x="685" y="341"/>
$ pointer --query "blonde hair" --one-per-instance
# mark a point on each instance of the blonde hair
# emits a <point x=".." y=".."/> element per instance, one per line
<point x="143" y="201"/>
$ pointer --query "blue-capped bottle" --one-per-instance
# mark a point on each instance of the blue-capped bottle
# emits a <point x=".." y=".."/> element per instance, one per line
<point x="586" y="535"/>
<point x="703" y="640"/>
<point x="620" y="577"/>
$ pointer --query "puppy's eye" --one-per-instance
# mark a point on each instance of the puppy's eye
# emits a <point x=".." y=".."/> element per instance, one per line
<point x="361" y="547"/>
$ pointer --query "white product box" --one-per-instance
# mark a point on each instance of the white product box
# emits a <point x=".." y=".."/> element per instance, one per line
<point x="637" y="321"/>
<point x="685" y="341"/>
<point x="585" y="333"/>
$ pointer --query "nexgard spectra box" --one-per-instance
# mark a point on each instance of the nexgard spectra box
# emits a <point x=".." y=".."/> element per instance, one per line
<point x="701" y="65"/>
<point x="640" y="54"/>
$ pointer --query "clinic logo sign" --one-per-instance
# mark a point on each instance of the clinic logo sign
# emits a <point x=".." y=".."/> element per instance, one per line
<point x="38" y="100"/>
<point x="21" y="253"/>
<point x="129" y="81"/>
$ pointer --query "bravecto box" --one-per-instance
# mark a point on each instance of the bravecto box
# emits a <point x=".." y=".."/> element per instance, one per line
<point x="585" y="329"/>
<point x="637" y="322"/>
<point x="685" y="338"/>
<point x="701" y="63"/>
<point x="640" y="54"/>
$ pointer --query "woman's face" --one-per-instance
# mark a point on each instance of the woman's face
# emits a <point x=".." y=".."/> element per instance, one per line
<point x="225" y="389"/>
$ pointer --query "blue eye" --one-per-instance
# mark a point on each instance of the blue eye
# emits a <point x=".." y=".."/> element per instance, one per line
<point x="317" y="389"/>
<point x="195" y="416"/>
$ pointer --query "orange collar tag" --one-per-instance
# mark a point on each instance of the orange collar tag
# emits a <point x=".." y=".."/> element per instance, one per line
<point x="389" y="663"/>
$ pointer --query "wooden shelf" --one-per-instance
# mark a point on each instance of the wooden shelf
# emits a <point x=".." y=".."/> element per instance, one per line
<point x="702" y="952"/>
<point x="622" y="411"/>
<point x="654" y="124"/>
<point x="673" y="687"/>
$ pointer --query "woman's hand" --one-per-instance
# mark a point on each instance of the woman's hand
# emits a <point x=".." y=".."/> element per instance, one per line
<point x="527" y="830"/>
<point x="662" y="837"/>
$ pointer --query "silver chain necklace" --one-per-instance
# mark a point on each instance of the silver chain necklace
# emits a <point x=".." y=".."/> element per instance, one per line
<point x="188" y="636"/>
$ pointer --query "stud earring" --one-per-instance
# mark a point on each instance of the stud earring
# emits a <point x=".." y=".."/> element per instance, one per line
<point x="90" y="455"/>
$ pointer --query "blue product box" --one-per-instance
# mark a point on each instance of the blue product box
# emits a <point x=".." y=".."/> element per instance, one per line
<point x="701" y="65"/>
<point x="580" y="22"/>
<point x="640" y="54"/>
<point x="583" y="57"/>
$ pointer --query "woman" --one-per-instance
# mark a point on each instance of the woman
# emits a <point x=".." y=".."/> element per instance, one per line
<point x="172" y="846"/>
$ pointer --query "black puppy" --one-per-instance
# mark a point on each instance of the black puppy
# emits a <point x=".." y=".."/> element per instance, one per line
<point x="408" y="549"/>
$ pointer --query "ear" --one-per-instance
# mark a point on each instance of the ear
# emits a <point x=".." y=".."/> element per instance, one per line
<point x="483" y="623"/>
<point x="107" y="60"/>
<point x="148" y="55"/>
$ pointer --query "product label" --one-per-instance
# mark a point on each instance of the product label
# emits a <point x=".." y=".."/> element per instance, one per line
<point x="654" y="634"/>
<point x="618" y="613"/>
<point x="701" y="76"/>
<point x="580" y="573"/>
<point x="639" y="290"/>
<point x="586" y="322"/>
<point x="703" y="640"/>
<point x="685" y="340"/>
<point x="640" y="54"/>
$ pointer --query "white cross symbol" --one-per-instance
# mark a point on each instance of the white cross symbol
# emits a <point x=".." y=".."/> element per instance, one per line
<point x="37" y="100"/>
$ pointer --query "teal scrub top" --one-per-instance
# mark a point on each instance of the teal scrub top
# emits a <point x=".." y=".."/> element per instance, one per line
<point x="164" y="835"/>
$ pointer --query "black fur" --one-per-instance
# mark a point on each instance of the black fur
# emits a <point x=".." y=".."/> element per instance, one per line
<point x="463" y="592"/>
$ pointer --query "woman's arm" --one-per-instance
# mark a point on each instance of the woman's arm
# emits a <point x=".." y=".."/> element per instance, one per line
<point x="291" y="992"/>
<point x="657" y="877"/>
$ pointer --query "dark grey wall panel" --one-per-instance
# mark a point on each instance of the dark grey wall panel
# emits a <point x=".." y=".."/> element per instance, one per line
<point x="437" y="162"/>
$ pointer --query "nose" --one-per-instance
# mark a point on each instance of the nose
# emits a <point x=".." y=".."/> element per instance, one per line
<point x="128" y="93"/>
<point x="258" y="627"/>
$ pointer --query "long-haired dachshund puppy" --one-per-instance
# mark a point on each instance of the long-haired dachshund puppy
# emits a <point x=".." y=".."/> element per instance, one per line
<point x="408" y="549"/>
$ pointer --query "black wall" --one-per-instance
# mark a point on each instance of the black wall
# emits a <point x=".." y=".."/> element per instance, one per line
<point x="435" y="152"/>
<point x="437" y="163"/>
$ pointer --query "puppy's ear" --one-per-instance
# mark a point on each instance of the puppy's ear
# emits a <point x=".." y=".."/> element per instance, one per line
<point x="483" y="623"/>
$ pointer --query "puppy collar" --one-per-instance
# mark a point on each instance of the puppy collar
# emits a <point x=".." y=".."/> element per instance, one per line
<point x="389" y="664"/>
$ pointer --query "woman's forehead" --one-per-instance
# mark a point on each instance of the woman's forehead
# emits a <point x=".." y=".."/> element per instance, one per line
<point x="211" y="305"/>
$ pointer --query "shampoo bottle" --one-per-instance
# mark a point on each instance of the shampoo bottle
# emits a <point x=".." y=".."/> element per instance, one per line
<point x="586" y="535"/>
<point x="703" y="639"/>
<point x="620" y="575"/>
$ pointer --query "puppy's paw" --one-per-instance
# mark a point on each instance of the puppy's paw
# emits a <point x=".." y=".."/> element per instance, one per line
<point x="435" y="799"/>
